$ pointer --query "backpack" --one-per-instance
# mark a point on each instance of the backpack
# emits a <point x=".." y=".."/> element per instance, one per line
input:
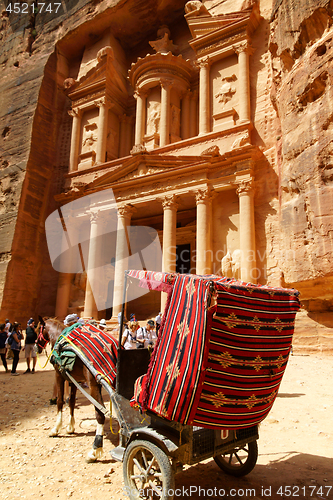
<point x="3" y="338"/>
<point x="10" y="339"/>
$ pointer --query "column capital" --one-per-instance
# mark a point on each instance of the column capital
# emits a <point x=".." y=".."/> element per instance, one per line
<point x="244" y="47"/>
<point x="140" y="93"/>
<point x="125" y="211"/>
<point x="94" y="216"/>
<point x="245" y="187"/>
<point x="203" y="195"/>
<point x="75" y="112"/>
<point x="205" y="62"/>
<point x="103" y="102"/>
<point x="166" y="83"/>
<point x="170" y="202"/>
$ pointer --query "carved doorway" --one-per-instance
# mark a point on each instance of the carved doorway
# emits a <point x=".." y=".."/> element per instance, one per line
<point x="183" y="258"/>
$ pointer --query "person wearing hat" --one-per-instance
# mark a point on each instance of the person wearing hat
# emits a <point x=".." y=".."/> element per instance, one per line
<point x="70" y="320"/>
<point x="147" y="334"/>
<point x="29" y="348"/>
<point x="102" y="324"/>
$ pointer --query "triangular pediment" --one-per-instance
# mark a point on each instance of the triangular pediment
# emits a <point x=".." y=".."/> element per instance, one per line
<point x="206" y="26"/>
<point x="96" y="77"/>
<point x="141" y="167"/>
<point x="103" y="75"/>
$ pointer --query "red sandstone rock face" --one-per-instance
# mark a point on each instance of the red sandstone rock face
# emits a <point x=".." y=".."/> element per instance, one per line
<point x="303" y="78"/>
<point x="302" y="50"/>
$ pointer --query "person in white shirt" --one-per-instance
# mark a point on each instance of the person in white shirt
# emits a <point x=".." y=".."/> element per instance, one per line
<point x="147" y="334"/>
<point x="158" y="320"/>
<point x="130" y="340"/>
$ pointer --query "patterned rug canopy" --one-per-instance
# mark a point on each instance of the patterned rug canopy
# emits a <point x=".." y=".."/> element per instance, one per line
<point x="222" y="350"/>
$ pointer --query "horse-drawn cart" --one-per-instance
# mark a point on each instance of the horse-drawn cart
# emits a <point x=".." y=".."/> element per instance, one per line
<point x="212" y="377"/>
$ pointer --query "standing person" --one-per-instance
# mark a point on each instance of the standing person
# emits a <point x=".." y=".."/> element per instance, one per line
<point x="147" y="335"/>
<point x="15" y="345"/>
<point x="3" y="338"/>
<point x="129" y="339"/>
<point x="8" y="329"/>
<point x="158" y="320"/>
<point x="30" y="341"/>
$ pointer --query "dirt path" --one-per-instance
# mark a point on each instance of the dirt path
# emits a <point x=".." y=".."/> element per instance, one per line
<point x="295" y="445"/>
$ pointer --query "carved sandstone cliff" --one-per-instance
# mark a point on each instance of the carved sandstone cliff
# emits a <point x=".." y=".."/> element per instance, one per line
<point x="301" y="44"/>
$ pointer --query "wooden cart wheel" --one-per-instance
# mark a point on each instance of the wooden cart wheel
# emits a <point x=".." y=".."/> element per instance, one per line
<point x="240" y="461"/>
<point x="147" y="472"/>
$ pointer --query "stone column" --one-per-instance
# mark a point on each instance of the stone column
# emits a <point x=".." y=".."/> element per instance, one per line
<point x="247" y="245"/>
<point x="193" y="114"/>
<point x="244" y="51"/>
<point x="140" y="97"/>
<point x="169" y="238"/>
<point x="76" y="113"/>
<point x="165" y="113"/>
<point x="90" y="309"/>
<point x="204" y="97"/>
<point x="203" y="243"/>
<point x="102" y="129"/>
<point x="122" y="253"/>
<point x="185" y="123"/>
<point x="63" y="295"/>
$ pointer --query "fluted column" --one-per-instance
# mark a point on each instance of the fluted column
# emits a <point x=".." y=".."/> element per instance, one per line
<point x="185" y="123"/>
<point x="203" y="243"/>
<point x="75" y="139"/>
<point x="244" y="51"/>
<point x="122" y="252"/>
<point x="140" y="116"/>
<point x="245" y="192"/>
<point x="165" y="112"/>
<point x="102" y="129"/>
<point x="204" y="97"/>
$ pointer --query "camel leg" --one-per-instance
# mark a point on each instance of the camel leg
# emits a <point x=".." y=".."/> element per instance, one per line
<point x="97" y="449"/>
<point x="71" y="425"/>
<point x="60" y="402"/>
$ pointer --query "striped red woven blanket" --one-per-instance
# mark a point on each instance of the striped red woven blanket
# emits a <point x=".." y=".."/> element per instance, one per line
<point x="95" y="347"/>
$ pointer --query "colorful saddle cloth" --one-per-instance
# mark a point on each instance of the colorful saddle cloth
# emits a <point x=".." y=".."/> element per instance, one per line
<point x="96" y="348"/>
<point x="219" y="365"/>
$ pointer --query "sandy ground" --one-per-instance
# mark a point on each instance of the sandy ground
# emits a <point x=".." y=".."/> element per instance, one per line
<point x="295" y="445"/>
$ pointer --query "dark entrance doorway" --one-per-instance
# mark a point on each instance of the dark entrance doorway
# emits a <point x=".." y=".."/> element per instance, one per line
<point x="183" y="258"/>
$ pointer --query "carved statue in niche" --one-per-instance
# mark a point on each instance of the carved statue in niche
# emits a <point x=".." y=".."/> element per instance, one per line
<point x="175" y="121"/>
<point x="231" y="264"/>
<point x="154" y="115"/>
<point x="89" y="137"/>
<point x="227" y="89"/>
<point x="226" y="265"/>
